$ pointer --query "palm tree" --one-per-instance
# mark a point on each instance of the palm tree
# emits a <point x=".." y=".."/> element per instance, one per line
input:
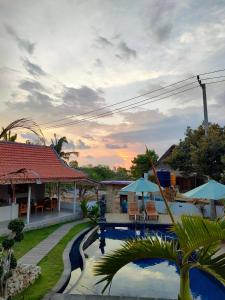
<point x="196" y="246"/>
<point x="57" y="144"/>
<point x="8" y="137"/>
<point x="24" y="123"/>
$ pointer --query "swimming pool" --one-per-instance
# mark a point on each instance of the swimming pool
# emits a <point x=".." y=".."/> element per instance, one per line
<point x="143" y="278"/>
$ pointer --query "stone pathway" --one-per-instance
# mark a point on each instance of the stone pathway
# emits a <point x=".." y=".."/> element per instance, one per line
<point x="35" y="255"/>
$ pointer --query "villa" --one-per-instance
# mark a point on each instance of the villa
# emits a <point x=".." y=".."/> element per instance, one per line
<point x="25" y="172"/>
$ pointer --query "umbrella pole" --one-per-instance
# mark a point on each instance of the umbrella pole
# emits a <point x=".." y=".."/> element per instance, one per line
<point x="143" y="202"/>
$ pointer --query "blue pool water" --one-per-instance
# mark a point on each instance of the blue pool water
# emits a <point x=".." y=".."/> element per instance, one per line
<point x="142" y="278"/>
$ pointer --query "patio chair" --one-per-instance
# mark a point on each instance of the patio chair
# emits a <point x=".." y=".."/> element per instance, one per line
<point x="51" y="204"/>
<point x="151" y="211"/>
<point x="133" y="211"/>
<point x="22" y="209"/>
<point x="40" y="204"/>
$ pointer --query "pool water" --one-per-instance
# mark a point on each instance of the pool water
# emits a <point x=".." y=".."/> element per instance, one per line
<point x="143" y="278"/>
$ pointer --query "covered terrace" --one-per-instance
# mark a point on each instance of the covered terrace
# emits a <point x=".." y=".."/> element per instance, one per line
<point x="26" y="173"/>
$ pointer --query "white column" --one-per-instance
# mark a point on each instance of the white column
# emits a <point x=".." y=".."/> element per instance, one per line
<point x="28" y="204"/>
<point x="74" y="198"/>
<point x="58" y="196"/>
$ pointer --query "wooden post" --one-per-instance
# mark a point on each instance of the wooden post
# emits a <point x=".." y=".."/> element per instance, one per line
<point x="58" y="196"/>
<point x="74" y="198"/>
<point x="28" y="204"/>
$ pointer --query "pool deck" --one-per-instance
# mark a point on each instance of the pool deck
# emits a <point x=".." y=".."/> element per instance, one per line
<point x="97" y="297"/>
<point x="124" y="219"/>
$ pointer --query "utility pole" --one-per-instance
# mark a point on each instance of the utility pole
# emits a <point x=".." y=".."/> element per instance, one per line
<point x="206" y="122"/>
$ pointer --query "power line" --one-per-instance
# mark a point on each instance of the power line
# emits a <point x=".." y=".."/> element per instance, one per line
<point x="216" y="71"/>
<point x="128" y="107"/>
<point x="214" y="82"/>
<point x="119" y="102"/>
<point x="136" y="97"/>
<point x="206" y="78"/>
<point x="143" y="100"/>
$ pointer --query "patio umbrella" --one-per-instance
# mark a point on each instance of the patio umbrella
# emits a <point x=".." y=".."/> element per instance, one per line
<point x="211" y="190"/>
<point x="141" y="185"/>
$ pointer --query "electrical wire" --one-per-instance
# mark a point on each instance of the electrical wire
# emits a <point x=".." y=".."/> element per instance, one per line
<point x="133" y="98"/>
<point x="125" y="108"/>
<point x="119" y="102"/>
<point x="143" y="100"/>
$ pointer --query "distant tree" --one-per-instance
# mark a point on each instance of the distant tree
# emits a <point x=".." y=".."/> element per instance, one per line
<point x="73" y="164"/>
<point x="141" y="164"/>
<point x="201" y="154"/>
<point x="57" y="144"/>
<point x="7" y="136"/>
<point x="122" y="174"/>
<point x="99" y="172"/>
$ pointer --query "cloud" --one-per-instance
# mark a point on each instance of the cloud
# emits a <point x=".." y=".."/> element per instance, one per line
<point x="159" y="17"/>
<point x="98" y="63"/>
<point x="115" y="146"/>
<point x="125" y="51"/>
<point x="88" y="137"/>
<point x="22" y="43"/>
<point x="89" y="156"/>
<point x="28" y="85"/>
<point x="81" y="99"/>
<point x="33" y="69"/>
<point x="104" y="42"/>
<point x="81" y="145"/>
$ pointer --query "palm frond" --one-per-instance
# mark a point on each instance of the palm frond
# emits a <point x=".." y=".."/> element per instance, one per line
<point x="212" y="263"/>
<point x="23" y="123"/>
<point x="195" y="232"/>
<point x="132" y="250"/>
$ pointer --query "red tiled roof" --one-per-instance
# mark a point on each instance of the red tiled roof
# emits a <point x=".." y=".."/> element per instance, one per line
<point x="41" y="163"/>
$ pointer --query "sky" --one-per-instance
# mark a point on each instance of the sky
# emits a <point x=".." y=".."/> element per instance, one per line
<point x="71" y="60"/>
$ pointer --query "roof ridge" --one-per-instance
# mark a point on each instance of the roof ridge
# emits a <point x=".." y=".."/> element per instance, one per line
<point x="24" y="144"/>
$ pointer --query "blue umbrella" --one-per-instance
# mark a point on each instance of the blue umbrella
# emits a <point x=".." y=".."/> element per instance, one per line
<point x="141" y="185"/>
<point x="212" y="190"/>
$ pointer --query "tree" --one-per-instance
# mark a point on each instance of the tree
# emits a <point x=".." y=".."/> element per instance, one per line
<point x="141" y="164"/>
<point x="8" y="261"/>
<point x="122" y="173"/>
<point x="73" y="164"/>
<point x="196" y="246"/>
<point x="57" y="144"/>
<point x="201" y="154"/>
<point x="99" y="172"/>
<point x="5" y="134"/>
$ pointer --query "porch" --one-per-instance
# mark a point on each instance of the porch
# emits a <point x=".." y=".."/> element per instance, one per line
<point x="44" y="219"/>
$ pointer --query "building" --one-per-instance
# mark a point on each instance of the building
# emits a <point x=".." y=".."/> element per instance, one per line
<point x="25" y="172"/>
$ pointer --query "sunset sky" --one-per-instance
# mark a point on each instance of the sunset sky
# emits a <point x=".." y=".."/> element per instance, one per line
<point x="64" y="58"/>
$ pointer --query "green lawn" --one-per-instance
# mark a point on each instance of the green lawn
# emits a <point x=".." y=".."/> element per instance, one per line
<point x="51" y="266"/>
<point x="32" y="238"/>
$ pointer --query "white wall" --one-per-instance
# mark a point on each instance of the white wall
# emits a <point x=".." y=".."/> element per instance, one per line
<point x="9" y="212"/>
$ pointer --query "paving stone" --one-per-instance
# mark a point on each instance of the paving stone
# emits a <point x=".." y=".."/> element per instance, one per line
<point x="35" y="255"/>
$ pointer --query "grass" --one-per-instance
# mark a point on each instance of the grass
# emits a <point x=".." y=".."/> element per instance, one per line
<point x="51" y="266"/>
<point x="32" y="238"/>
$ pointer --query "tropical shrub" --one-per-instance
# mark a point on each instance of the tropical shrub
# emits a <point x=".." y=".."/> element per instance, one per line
<point x="8" y="261"/>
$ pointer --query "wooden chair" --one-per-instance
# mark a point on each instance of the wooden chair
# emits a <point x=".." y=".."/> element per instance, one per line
<point x="151" y="211"/>
<point x="22" y="209"/>
<point x="133" y="211"/>
<point x="39" y="205"/>
<point x="51" y="204"/>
